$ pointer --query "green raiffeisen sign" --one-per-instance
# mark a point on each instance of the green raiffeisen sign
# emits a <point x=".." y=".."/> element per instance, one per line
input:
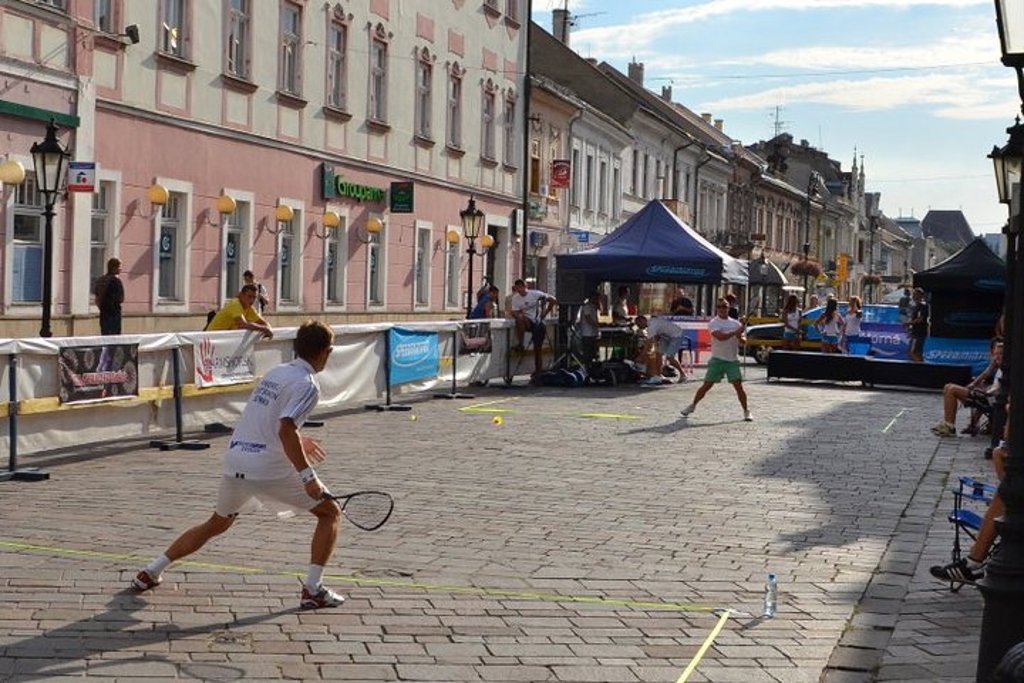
<point x="336" y="187"/>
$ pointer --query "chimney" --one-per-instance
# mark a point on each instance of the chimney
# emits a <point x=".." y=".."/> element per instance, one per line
<point x="560" y="22"/>
<point x="666" y="93"/>
<point x="706" y="115"/>
<point x="636" y="72"/>
<point x="718" y="123"/>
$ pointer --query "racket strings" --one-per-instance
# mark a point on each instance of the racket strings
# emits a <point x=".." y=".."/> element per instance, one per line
<point x="368" y="510"/>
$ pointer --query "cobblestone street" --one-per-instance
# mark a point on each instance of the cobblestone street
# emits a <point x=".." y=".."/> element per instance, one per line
<point x="588" y="537"/>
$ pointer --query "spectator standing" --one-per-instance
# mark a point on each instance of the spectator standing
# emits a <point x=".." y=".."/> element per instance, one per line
<point x="240" y="314"/>
<point x="830" y="324"/>
<point x="668" y="338"/>
<point x="791" y="316"/>
<point x="109" y="291"/>
<point x="851" y="324"/>
<point x="589" y="327"/>
<point x="269" y="460"/>
<point x="262" y="302"/>
<point x="734" y="310"/>
<point x="726" y="337"/>
<point x="682" y="304"/>
<point x="917" y="327"/>
<point x="486" y="303"/>
<point x="620" y="308"/>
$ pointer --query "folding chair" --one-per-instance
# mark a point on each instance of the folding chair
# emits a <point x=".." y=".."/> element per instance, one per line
<point x="980" y="421"/>
<point x="969" y="496"/>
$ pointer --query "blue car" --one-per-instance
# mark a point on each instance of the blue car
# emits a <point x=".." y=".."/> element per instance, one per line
<point x="880" y="324"/>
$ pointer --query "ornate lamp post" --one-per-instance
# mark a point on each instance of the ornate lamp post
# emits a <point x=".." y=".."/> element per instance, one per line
<point x="49" y="159"/>
<point x="812" y="192"/>
<point x="1003" y="585"/>
<point x="472" y="226"/>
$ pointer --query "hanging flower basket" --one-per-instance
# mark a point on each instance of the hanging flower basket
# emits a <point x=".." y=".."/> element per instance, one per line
<point x="806" y="268"/>
<point x="872" y="279"/>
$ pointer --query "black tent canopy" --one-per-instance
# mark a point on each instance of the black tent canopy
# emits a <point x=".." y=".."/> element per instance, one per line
<point x="966" y="292"/>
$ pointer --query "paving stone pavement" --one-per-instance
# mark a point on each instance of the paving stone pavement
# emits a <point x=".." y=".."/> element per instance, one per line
<point x="533" y="550"/>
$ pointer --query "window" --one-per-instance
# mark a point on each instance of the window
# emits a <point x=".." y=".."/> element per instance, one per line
<point x="174" y="27"/>
<point x="602" y="187"/>
<point x="289" y="256"/>
<point x="452" y="261"/>
<point x="27" y="270"/>
<point x="103" y="17"/>
<point x="424" y="79"/>
<point x="291" y="49"/>
<point x="378" y="80"/>
<point x="337" y="79"/>
<point x="375" y="270"/>
<point x="62" y="5"/>
<point x="170" y="245"/>
<point x="645" y="178"/>
<point x="535" y="166"/>
<point x="238" y="39"/>
<point x="487" y="121"/>
<point x="100" y="230"/>
<point x="421" y="281"/>
<point x="236" y="249"/>
<point x="588" y="183"/>
<point x="616" y="190"/>
<point x="334" y="267"/>
<point x="454" y="123"/>
<point x="634" y="178"/>
<point x="512" y="10"/>
<point x="509" y="127"/>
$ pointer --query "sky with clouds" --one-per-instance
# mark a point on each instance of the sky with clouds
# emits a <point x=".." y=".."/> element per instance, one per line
<point x="914" y="86"/>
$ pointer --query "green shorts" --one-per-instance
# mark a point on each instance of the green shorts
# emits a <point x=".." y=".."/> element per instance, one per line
<point x="718" y="368"/>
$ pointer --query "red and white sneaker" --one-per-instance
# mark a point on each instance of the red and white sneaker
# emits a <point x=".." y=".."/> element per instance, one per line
<point x="324" y="597"/>
<point x="144" y="581"/>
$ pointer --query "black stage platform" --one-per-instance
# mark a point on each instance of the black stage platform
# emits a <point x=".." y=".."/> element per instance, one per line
<point x="869" y="371"/>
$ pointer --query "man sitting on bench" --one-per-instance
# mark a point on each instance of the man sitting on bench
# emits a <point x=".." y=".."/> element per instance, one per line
<point x="981" y="387"/>
<point x="529" y="309"/>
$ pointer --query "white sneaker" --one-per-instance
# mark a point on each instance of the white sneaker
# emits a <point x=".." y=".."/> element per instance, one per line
<point x="688" y="410"/>
<point x="747" y="417"/>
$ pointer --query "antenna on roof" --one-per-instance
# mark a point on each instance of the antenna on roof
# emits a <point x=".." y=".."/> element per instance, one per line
<point x="779" y="124"/>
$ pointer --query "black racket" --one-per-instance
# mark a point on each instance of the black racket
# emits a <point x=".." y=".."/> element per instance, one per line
<point x="367" y="510"/>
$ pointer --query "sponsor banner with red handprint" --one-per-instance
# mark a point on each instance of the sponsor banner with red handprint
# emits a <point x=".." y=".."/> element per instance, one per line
<point x="224" y="359"/>
<point x="98" y="373"/>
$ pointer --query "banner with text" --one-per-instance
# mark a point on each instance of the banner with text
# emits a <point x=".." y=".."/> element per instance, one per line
<point x="106" y="372"/>
<point x="222" y="360"/>
<point x="414" y="355"/>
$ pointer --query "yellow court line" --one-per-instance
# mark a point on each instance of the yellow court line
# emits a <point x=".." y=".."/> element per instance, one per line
<point x="704" y="647"/>
<point x="609" y="416"/>
<point x="384" y="583"/>
<point x="486" y="403"/>
<point x="501" y="411"/>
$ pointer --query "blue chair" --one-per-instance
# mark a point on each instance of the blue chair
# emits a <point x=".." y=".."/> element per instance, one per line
<point x="969" y="497"/>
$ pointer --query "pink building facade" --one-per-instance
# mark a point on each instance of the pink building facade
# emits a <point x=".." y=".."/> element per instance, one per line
<point x="263" y="136"/>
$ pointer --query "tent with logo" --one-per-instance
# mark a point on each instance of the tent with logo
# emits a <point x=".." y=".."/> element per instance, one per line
<point x="654" y="245"/>
<point x="965" y="292"/>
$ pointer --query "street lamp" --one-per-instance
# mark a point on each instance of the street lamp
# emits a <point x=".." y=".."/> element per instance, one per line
<point x="1003" y="584"/>
<point x="49" y="159"/>
<point x="872" y="229"/>
<point x="812" y="191"/>
<point x="472" y="226"/>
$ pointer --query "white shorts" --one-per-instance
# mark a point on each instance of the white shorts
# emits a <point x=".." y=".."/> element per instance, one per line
<point x="237" y="495"/>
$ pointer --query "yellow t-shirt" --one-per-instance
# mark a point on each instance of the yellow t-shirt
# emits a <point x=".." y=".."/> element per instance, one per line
<point x="225" y="318"/>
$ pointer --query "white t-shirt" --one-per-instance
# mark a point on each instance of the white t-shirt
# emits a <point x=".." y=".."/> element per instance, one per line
<point x="727" y="349"/>
<point x="530" y="303"/>
<point x="793" y="321"/>
<point x="289" y="390"/>
<point x="659" y="327"/>
<point x="587" y="328"/>
<point x="852" y="325"/>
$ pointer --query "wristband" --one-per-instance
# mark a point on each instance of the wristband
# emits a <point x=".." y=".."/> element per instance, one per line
<point x="307" y="475"/>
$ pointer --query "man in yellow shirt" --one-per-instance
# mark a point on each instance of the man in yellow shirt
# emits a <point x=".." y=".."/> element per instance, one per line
<point x="240" y="314"/>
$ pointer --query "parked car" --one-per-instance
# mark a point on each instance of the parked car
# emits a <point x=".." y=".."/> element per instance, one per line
<point x="880" y="323"/>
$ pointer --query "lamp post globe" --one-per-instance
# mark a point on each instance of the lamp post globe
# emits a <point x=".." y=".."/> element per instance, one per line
<point x="49" y="160"/>
<point x="1003" y="584"/>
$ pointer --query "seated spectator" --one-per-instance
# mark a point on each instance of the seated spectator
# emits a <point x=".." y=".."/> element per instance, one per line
<point x="668" y="339"/>
<point x="971" y="568"/>
<point x="529" y="309"/>
<point x="983" y="386"/>
<point x="620" y="309"/>
<point x="681" y="304"/>
<point x="240" y="314"/>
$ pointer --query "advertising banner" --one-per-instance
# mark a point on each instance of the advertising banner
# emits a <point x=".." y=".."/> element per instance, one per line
<point x="222" y="360"/>
<point x="414" y="355"/>
<point x="561" y="173"/>
<point x="106" y="372"/>
<point x="973" y="352"/>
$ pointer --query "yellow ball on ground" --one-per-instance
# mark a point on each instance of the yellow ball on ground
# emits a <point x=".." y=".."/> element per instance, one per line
<point x="497" y="420"/>
<point x="412" y="417"/>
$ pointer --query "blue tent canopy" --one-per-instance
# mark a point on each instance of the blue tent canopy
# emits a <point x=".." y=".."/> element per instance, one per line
<point x="655" y="246"/>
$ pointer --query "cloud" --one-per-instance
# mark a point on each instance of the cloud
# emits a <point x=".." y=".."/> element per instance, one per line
<point x="956" y="97"/>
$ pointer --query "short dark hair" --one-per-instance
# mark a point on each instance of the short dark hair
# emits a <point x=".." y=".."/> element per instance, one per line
<point x="248" y="288"/>
<point x="519" y="282"/>
<point x="312" y="338"/>
<point x="248" y="273"/>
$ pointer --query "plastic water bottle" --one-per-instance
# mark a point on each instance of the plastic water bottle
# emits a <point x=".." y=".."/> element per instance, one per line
<point x="771" y="596"/>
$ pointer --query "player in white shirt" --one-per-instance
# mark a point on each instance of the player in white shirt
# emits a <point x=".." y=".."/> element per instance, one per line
<point x="726" y="336"/>
<point x="269" y="460"/>
<point x="669" y="337"/>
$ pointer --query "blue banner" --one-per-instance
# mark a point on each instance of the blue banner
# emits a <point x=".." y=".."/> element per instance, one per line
<point x="414" y="355"/>
<point x="973" y="352"/>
